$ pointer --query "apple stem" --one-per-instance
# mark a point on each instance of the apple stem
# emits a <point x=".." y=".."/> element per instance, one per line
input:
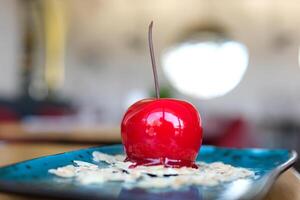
<point x="154" y="68"/>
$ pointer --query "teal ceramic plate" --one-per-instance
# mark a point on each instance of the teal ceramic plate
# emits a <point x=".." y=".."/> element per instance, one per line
<point x="32" y="177"/>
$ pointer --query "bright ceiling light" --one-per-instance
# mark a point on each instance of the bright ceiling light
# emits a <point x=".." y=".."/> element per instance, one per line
<point x="206" y="69"/>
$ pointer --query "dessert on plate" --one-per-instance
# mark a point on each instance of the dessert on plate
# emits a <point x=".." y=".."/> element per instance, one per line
<point x="161" y="139"/>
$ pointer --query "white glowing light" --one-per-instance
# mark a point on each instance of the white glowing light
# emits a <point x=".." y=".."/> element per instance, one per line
<point x="206" y="69"/>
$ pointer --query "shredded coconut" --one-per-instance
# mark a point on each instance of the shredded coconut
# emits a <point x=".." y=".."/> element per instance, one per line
<point x="149" y="176"/>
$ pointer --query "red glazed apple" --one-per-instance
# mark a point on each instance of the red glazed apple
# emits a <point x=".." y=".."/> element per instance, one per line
<point x="161" y="131"/>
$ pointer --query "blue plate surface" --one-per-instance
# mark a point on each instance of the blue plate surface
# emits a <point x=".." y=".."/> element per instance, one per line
<point x="32" y="177"/>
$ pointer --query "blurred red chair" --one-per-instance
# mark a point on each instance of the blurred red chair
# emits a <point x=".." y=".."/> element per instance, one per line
<point x="233" y="132"/>
<point x="8" y="115"/>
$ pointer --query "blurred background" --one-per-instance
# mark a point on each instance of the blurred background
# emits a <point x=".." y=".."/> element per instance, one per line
<point x="69" y="69"/>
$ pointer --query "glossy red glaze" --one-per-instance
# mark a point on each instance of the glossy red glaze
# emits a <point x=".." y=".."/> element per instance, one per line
<point x="162" y="131"/>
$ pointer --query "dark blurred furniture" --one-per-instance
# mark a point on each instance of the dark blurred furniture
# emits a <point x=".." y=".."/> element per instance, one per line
<point x="16" y="109"/>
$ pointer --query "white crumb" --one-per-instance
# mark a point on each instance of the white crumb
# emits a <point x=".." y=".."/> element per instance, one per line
<point x="149" y="176"/>
<point x="67" y="171"/>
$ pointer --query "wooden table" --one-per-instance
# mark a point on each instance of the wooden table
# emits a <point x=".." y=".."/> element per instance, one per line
<point x="287" y="187"/>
